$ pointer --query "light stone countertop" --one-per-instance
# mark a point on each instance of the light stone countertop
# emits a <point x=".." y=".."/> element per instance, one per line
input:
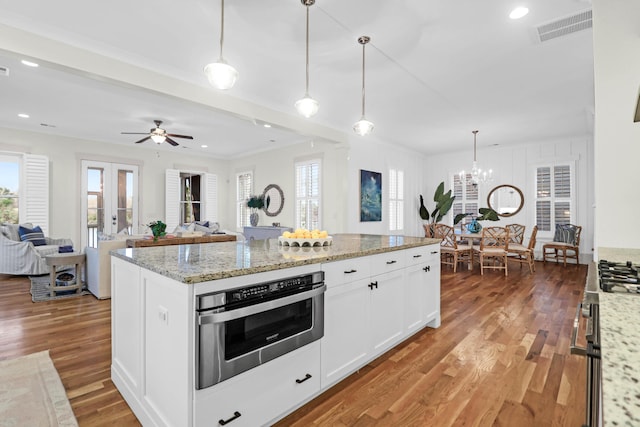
<point x="212" y="261"/>
<point x="620" y="343"/>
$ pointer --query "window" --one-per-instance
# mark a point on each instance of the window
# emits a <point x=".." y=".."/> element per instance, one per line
<point x="396" y="200"/>
<point x="244" y="186"/>
<point x="190" y="208"/>
<point x="466" y="197"/>
<point x="553" y="196"/>
<point x="307" y="202"/>
<point x="9" y="189"/>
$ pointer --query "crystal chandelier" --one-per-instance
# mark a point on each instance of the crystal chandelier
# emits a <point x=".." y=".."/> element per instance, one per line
<point x="220" y="74"/>
<point x="363" y="126"/>
<point x="307" y="106"/>
<point x="477" y="175"/>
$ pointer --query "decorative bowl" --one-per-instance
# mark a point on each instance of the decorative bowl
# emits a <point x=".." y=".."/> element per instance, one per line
<point x="65" y="279"/>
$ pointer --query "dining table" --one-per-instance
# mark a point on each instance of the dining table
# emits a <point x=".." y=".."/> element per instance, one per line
<point x="470" y="238"/>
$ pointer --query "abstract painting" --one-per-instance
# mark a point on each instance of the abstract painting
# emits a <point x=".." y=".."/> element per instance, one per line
<point x="370" y="196"/>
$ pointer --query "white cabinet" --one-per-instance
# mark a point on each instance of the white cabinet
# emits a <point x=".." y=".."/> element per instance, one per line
<point x="263" y="393"/>
<point x="370" y="302"/>
<point x="422" y="297"/>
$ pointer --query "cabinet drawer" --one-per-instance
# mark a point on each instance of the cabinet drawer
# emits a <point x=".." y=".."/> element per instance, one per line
<point x="422" y="254"/>
<point x="346" y="271"/>
<point x="388" y="261"/>
<point x="261" y="394"/>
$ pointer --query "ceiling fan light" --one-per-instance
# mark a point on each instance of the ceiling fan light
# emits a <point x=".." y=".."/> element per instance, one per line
<point x="307" y="106"/>
<point x="158" y="139"/>
<point x="518" y="12"/>
<point x="221" y="75"/>
<point x="363" y="127"/>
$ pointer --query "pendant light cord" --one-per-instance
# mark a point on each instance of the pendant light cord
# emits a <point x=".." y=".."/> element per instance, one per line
<point x="221" y="26"/>
<point x="475" y="132"/>
<point x="307" y="57"/>
<point x="363" y="44"/>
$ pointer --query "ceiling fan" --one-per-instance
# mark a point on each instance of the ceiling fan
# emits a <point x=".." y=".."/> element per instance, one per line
<point x="158" y="135"/>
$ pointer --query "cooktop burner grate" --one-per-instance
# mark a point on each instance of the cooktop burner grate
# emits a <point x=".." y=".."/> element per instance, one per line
<point x="619" y="277"/>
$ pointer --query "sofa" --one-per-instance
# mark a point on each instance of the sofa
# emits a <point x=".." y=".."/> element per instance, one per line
<point x="19" y="257"/>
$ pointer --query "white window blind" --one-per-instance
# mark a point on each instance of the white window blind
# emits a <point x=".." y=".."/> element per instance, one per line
<point x="466" y="197"/>
<point x="308" y="175"/>
<point x="396" y="200"/>
<point x="244" y="185"/>
<point x="35" y="197"/>
<point x="211" y="196"/>
<point x="172" y="199"/>
<point x="554" y="194"/>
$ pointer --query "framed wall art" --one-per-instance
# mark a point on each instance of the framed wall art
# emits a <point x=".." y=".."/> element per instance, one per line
<point x="370" y="196"/>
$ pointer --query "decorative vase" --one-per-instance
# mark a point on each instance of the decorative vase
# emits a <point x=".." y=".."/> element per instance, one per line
<point x="474" y="226"/>
<point x="253" y="219"/>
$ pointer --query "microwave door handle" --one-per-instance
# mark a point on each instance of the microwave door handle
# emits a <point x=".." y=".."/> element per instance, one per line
<point x="225" y="316"/>
<point x="574" y="335"/>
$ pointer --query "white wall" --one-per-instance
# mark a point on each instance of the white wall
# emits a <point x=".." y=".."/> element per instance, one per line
<point x="515" y="165"/>
<point x="65" y="155"/>
<point x="616" y="32"/>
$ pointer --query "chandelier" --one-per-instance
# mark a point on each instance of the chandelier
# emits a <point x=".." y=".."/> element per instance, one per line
<point x="220" y="74"/>
<point x="477" y="175"/>
<point x="363" y="126"/>
<point x="307" y="106"/>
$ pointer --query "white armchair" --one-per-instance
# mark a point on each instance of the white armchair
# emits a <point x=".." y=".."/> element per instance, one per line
<point x="23" y="258"/>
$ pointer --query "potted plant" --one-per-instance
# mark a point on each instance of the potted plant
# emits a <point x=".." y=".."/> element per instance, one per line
<point x="444" y="201"/>
<point x="486" y="214"/>
<point x="158" y="229"/>
<point x="255" y="203"/>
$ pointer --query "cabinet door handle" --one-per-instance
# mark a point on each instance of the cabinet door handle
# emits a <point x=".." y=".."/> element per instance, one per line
<point x="236" y="414"/>
<point x="427" y="268"/>
<point x="392" y="262"/>
<point x="350" y="271"/>
<point x="417" y="256"/>
<point x="373" y="284"/>
<point x="370" y="286"/>
<point x="306" y="377"/>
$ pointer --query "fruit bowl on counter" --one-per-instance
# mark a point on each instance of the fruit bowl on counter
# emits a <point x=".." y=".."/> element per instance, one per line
<point x="303" y="238"/>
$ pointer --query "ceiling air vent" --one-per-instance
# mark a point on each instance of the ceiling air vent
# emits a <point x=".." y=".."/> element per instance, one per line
<point x="4" y="71"/>
<point x="564" y="26"/>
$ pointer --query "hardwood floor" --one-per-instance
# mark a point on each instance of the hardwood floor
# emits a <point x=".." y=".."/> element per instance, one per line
<point x="501" y="357"/>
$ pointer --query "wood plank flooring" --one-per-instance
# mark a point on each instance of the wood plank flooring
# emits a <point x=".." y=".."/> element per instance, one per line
<point x="500" y="358"/>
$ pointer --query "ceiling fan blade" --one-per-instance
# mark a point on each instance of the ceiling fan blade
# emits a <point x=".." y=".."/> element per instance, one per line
<point x="179" y="136"/>
<point x="171" y="141"/>
<point x="142" y="140"/>
<point x="134" y="133"/>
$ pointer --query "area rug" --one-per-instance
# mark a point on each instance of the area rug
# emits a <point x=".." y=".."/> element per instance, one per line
<point x="31" y="393"/>
<point x="40" y="290"/>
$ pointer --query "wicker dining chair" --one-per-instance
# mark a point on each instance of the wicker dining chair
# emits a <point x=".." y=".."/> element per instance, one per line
<point x="516" y="233"/>
<point x="524" y="254"/>
<point x="566" y="244"/>
<point x="451" y="251"/>
<point x="494" y="246"/>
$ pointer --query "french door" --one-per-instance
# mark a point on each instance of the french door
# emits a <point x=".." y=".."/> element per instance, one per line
<point x="109" y="200"/>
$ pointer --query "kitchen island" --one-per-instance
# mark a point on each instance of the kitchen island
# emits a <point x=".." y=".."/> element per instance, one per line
<point x="379" y="291"/>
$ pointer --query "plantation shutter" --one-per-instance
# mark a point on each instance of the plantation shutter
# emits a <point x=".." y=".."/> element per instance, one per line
<point x="211" y="197"/>
<point x="396" y="200"/>
<point x="172" y="199"/>
<point x="244" y="183"/>
<point x="553" y="196"/>
<point x="34" y="203"/>
<point x="308" y="195"/>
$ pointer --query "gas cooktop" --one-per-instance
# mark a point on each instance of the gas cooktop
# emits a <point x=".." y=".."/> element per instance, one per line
<point x="619" y="277"/>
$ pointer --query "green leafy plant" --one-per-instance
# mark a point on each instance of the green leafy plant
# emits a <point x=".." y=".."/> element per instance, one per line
<point x="157" y="228"/>
<point x="443" y="201"/>
<point x="256" y="202"/>
<point x="486" y="214"/>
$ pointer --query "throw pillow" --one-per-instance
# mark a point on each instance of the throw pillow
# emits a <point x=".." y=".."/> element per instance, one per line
<point x="565" y="233"/>
<point x="33" y="235"/>
<point x="203" y="228"/>
<point x="203" y="223"/>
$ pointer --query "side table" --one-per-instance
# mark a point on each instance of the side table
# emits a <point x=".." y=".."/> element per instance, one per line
<point x="56" y="260"/>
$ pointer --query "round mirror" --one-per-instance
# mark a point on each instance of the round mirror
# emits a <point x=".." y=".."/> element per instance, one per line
<point x="506" y="200"/>
<point x="273" y="199"/>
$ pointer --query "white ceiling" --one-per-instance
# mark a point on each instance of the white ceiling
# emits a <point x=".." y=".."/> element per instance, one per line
<point x="435" y="70"/>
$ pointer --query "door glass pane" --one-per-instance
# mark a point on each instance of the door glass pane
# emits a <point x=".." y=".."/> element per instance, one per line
<point x="95" y="205"/>
<point x="9" y="184"/>
<point x="125" y="201"/>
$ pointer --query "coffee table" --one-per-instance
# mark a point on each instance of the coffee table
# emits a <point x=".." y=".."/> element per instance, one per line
<point x="56" y="260"/>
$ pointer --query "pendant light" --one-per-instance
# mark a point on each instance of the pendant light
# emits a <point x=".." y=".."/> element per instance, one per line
<point x="363" y="126"/>
<point x="477" y="175"/>
<point x="307" y="106"/>
<point x="220" y="74"/>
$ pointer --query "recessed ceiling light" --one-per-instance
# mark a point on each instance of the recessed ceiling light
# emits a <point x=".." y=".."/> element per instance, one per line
<point x="204" y="146"/>
<point x="267" y="125"/>
<point x="518" y="12"/>
<point x="23" y="116"/>
<point x="29" y="63"/>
